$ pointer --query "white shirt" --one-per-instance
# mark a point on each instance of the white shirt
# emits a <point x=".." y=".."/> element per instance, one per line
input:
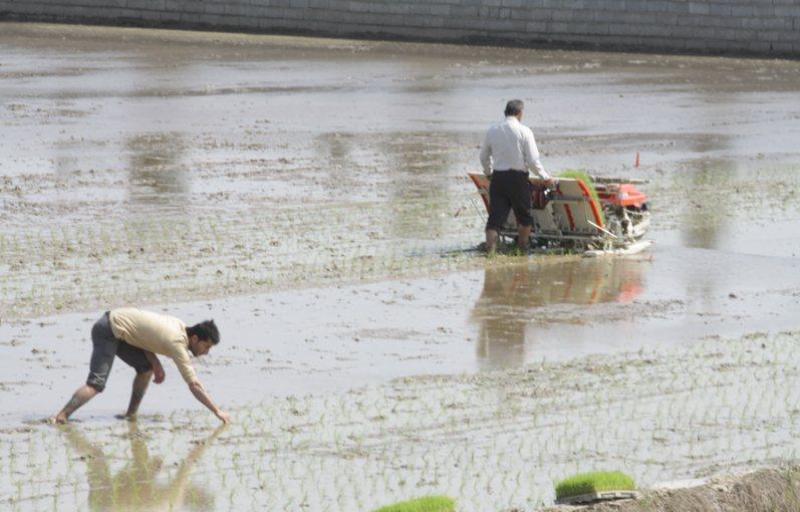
<point x="510" y="145"/>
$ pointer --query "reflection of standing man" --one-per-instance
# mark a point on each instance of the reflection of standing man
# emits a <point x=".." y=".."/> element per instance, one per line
<point x="141" y="484"/>
<point x="503" y="329"/>
<point x="509" y="151"/>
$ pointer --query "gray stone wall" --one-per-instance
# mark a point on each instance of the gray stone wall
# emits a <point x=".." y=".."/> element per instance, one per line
<point x="761" y="27"/>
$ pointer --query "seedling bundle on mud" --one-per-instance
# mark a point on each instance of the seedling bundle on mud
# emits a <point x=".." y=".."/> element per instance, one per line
<point x="596" y="486"/>
<point x="426" y="504"/>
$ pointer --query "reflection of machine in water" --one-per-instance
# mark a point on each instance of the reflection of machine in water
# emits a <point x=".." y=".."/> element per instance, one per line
<point x="141" y="484"/>
<point x="513" y="296"/>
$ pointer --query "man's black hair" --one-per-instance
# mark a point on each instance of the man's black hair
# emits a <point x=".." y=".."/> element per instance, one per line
<point x="514" y="107"/>
<point x="205" y="331"/>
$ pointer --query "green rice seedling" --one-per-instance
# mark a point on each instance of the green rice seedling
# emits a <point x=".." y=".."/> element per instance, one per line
<point x="595" y="482"/>
<point x="425" y="504"/>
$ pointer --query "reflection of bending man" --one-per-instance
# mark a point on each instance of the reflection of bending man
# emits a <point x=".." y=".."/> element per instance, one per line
<point x="135" y="487"/>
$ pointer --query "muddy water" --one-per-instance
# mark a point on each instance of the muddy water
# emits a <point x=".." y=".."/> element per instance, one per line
<point x="506" y="316"/>
<point x="228" y="164"/>
<point x="310" y="196"/>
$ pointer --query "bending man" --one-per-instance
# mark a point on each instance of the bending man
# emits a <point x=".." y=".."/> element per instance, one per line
<point x="508" y="153"/>
<point x="136" y="336"/>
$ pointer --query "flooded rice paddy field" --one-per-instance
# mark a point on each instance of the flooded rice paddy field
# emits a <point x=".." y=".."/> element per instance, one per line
<point x="310" y="195"/>
<point x="497" y="440"/>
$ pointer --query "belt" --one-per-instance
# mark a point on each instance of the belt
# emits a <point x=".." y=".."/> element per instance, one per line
<point x="507" y="170"/>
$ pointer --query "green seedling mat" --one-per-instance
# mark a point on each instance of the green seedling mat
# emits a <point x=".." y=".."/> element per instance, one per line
<point x="424" y="504"/>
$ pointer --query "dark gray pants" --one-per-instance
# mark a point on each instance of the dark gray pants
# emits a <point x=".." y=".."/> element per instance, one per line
<point x="509" y="190"/>
<point x="105" y="347"/>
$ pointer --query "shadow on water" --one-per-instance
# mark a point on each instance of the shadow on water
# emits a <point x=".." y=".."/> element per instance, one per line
<point x="143" y="483"/>
<point x="422" y="175"/>
<point x="157" y="174"/>
<point x="157" y="171"/>
<point x="704" y="224"/>
<point x="336" y="149"/>
<point x="512" y="296"/>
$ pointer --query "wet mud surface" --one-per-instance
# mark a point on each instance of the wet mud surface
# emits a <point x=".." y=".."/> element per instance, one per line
<point x="509" y="315"/>
<point x="497" y="440"/>
<point x="225" y="164"/>
<point x="310" y="195"/>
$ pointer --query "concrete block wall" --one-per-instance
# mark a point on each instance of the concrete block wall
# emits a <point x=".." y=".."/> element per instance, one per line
<point x="759" y="27"/>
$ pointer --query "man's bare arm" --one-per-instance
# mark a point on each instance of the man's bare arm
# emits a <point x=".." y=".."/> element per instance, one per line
<point x="158" y="370"/>
<point x="203" y="397"/>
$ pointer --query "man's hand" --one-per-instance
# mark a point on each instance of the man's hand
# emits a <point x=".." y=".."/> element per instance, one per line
<point x="155" y="364"/>
<point x="551" y="182"/>
<point x="200" y="394"/>
<point x="158" y="373"/>
<point x="58" y="419"/>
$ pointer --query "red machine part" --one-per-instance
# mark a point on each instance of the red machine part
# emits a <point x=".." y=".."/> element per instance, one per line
<point x="623" y="194"/>
<point x="595" y="212"/>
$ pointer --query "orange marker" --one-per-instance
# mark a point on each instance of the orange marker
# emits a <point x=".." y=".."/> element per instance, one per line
<point x="637" y="160"/>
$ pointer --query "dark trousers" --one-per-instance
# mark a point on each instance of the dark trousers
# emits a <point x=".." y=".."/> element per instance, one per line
<point x="509" y="190"/>
<point x="104" y="347"/>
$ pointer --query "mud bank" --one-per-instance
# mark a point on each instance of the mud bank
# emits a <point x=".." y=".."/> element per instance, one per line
<point x="767" y="490"/>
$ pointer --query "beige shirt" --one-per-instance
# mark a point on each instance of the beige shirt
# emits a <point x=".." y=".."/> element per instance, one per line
<point x="160" y="334"/>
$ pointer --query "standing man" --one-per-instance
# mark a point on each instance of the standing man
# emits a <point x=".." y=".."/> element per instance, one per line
<point x="508" y="153"/>
<point x="135" y="336"/>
